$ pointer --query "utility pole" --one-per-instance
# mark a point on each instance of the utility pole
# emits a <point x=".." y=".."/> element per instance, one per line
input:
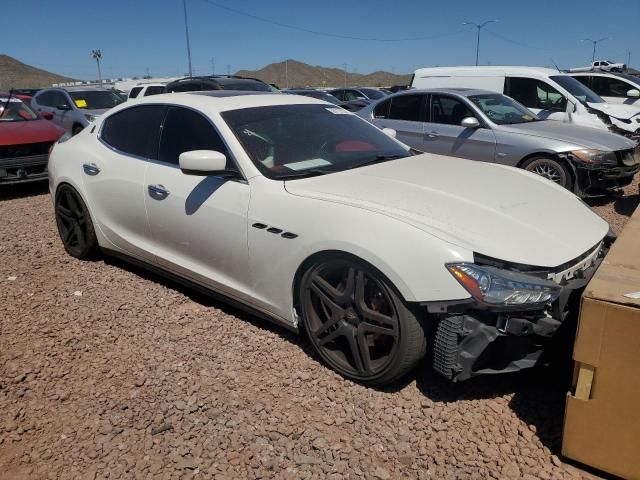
<point x="628" y="58"/>
<point x="595" y="42"/>
<point x="97" y="54"/>
<point x="228" y="69"/>
<point x="186" y="31"/>
<point x="479" y="26"/>
<point x="286" y="73"/>
<point x="213" y="66"/>
<point x="148" y="75"/>
<point x="345" y="74"/>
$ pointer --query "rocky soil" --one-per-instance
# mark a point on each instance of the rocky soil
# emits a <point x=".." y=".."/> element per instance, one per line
<point x="107" y="371"/>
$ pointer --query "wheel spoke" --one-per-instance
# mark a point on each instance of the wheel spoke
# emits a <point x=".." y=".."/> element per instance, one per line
<point x="332" y="336"/>
<point x="352" y="340"/>
<point x="79" y="234"/>
<point x="326" y="326"/>
<point x="72" y="204"/>
<point x="328" y="295"/>
<point x="371" y="328"/>
<point x="350" y="286"/>
<point x="373" y="316"/>
<point x="364" y="350"/>
<point x="69" y="235"/>
<point x="64" y="212"/>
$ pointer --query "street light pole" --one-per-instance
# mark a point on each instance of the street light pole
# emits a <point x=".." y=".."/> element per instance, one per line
<point x="286" y="72"/>
<point x="628" y="58"/>
<point x="345" y="74"/>
<point x="97" y="54"/>
<point x="595" y="42"/>
<point x="479" y="26"/>
<point x="186" y="30"/>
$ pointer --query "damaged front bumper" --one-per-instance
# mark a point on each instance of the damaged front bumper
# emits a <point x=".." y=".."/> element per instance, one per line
<point x="23" y="169"/>
<point x="472" y="339"/>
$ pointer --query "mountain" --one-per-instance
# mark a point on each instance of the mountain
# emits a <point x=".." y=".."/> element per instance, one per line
<point x="303" y="75"/>
<point x="17" y="74"/>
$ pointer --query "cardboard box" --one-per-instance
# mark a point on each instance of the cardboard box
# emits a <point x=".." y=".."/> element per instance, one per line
<point x="602" y="417"/>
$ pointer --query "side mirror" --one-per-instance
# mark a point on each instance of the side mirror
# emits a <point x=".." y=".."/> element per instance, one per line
<point x="203" y="163"/>
<point x="64" y="106"/>
<point x="634" y="93"/>
<point x="470" y="122"/>
<point x="390" y="131"/>
<point x="46" y="115"/>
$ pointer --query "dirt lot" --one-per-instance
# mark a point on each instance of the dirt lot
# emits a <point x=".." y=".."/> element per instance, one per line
<point x="109" y="372"/>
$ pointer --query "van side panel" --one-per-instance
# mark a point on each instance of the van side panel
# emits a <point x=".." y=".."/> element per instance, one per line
<point x="492" y="81"/>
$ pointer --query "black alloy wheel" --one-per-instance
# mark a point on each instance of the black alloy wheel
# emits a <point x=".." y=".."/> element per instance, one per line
<point x="357" y="322"/>
<point x="74" y="224"/>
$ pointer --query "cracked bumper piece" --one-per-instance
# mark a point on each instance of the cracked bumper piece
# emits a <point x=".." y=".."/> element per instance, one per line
<point x="23" y="169"/>
<point x="471" y="341"/>
<point x="605" y="178"/>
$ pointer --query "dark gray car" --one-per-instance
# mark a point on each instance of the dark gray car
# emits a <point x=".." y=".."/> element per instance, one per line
<point x="73" y="108"/>
<point x="491" y="127"/>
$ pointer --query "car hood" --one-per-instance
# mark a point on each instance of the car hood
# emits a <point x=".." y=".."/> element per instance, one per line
<point x="571" y="134"/>
<point x="497" y="211"/>
<point x="32" y="131"/>
<point x="619" y="111"/>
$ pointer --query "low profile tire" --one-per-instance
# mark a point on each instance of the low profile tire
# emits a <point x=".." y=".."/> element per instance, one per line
<point x="358" y="323"/>
<point x="76" y="129"/>
<point x="74" y="224"/>
<point x="551" y="169"/>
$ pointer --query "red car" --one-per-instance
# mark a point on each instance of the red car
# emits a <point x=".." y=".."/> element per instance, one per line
<point x="25" y="140"/>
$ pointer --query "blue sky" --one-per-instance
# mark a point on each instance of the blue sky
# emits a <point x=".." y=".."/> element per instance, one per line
<point x="138" y="34"/>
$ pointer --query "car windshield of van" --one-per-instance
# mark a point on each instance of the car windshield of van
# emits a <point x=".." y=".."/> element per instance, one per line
<point x="95" y="99"/>
<point x="297" y="141"/>
<point x="502" y="110"/>
<point x="577" y="89"/>
<point x="14" y="110"/>
<point x="373" y="94"/>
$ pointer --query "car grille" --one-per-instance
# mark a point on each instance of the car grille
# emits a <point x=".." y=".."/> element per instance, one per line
<point x="25" y="150"/>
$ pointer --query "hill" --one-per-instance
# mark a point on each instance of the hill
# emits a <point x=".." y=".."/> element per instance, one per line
<point x="17" y="74"/>
<point x="303" y="75"/>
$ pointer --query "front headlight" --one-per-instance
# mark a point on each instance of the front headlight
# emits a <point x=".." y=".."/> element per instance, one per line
<point x="494" y="286"/>
<point x="89" y="117"/>
<point x="594" y="157"/>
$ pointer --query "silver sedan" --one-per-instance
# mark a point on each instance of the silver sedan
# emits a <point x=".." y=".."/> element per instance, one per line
<point x="491" y="127"/>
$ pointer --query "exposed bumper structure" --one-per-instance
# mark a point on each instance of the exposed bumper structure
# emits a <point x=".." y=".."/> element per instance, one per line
<point x="472" y="340"/>
<point x="23" y="169"/>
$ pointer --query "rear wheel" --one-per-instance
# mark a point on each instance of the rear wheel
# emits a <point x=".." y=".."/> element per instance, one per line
<point x="74" y="224"/>
<point x="357" y="322"/>
<point x="551" y="169"/>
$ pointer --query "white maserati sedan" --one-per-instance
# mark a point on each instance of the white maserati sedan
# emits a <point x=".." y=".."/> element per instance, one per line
<point x="305" y="214"/>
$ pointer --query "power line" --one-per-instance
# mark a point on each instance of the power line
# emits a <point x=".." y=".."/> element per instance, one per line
<point x="327" y="34"/>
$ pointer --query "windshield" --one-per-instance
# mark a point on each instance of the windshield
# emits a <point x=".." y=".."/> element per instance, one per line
<point x="289" y="141"/>
<point x="502" y="110"/>
<point x="373" y="93"/>
<point x="631" y="78"/>
<point x="95" y="99"/>
<point x="15" y="111"/>
<point x="577" y="89"/>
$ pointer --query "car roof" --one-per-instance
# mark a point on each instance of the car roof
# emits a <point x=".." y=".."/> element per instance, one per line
<point x="463" y="92"/>
<point x="223" y="100"/>
<point x="76" y="89"/>
<point x="542" y="71"/>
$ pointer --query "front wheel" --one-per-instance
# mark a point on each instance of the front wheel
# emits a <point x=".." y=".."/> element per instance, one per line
<point x="357" y="322"/>
<point x="551" y="169"/>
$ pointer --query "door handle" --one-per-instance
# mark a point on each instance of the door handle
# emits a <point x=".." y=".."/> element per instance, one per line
<point x="433" y="134"/>
<point x="158" y="192"/>
<point x="90" y="169"/>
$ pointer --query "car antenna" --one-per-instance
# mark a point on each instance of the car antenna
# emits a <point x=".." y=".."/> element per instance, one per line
<point x="554" y="64"/>
<point x="6" y="104"/>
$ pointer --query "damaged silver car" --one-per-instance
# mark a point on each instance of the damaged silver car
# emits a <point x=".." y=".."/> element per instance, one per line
<point x="491" y="127"/>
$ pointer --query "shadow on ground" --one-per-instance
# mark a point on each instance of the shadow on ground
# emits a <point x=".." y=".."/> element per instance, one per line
<point x="623" y="205"/>
<point x="20" y="190"/>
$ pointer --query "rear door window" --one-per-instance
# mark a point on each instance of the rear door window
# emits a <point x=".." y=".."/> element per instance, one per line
<point x="154" y="90"/>
<point x="135" y="130"/>
<point x="185" y="130"/>
<point x="134" y="92"/>
<point x="408" y="107"/>
<point x="382" y="109"/>
<point x="45" y="99"/>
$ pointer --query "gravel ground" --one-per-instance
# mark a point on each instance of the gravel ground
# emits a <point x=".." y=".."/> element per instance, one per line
<point x="107" y="371"/>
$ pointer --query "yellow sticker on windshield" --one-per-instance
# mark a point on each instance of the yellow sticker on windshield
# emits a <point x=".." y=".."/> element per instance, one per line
<point x="81" y="103"/>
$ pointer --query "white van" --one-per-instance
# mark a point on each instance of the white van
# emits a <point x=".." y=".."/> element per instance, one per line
<point x="551" y="94"/>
